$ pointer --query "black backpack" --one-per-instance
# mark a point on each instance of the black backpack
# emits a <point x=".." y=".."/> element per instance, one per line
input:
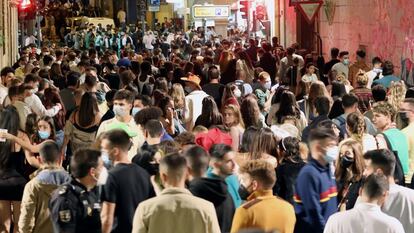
<point x="399" y="172"/>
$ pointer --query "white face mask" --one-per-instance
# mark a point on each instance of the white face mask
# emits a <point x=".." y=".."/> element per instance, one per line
<point x="237" y="93"/>
<point x="102" y="177"/>
<point x="120" y="111"/>
<point x="331" y="154"/>
<point x="268" y="85"/>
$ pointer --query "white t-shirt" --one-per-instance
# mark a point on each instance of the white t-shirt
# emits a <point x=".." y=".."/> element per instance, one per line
<point x="364" y="217"/>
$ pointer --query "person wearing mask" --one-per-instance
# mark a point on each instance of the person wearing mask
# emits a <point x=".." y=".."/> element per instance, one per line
<point x="34" y="101"/>
<point x="315" y="190"/>
<point x="348" y="173"/>
<point x="400" y="201"/>
<point x="123" y="101"/>
<point x="75" y="207"/>
<point x="193" y="101"/>
<point x="211" y="189"/>
<point x="262" y="210"/>
<point x="35" y="215"/>
<point x="127" y="186"/>
<point x="388" y="73"/>
<point x="290" y="164"/>
<point x="175" y="209"/>
<point x="350" y="105"/>
<point x="392" y="138"/>
<point x="375" y="73"/>
<point x="342" y="67"/>
<point x="359" y="65"/>
<point x="334" y="59"/>
<point x="367" y="215"/>
<point x="407" y="115"/>
<point x="223" y="166"/>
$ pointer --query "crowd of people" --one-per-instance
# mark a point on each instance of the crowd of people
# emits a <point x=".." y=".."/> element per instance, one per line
<point x="189" y="134"/>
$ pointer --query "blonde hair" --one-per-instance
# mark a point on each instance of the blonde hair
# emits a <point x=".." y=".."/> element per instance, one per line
<point x="397" y="94"/>
<point x="178" y="95"/>
<point x="356" y="125"/>
<point x="362" y="78"/>
<point x="342" y="78"/>
<point x="236" y="111"/>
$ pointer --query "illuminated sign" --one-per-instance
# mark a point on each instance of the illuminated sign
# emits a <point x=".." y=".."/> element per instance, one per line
<point x="214" y="11"/>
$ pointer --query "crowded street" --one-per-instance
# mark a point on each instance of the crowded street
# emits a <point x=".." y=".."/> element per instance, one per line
<point x="187" y="116"/>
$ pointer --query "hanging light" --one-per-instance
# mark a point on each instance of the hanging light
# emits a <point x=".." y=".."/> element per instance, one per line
<point x="25" y="4"/>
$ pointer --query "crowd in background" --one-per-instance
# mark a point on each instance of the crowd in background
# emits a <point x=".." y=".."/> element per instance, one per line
<point x="189" y="132"/>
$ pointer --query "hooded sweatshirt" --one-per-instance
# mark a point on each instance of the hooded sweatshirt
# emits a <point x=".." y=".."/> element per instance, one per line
<point x="215" y="191"/>
<point x="35" y="216"/>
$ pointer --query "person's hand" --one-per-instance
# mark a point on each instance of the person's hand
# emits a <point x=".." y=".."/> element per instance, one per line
<point x="59" y="106"/>
<point x="170" y="114"/>
<point x="7" y="136"/>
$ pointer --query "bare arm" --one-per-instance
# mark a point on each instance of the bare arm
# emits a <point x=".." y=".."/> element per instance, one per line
<point x="107" y="216"/>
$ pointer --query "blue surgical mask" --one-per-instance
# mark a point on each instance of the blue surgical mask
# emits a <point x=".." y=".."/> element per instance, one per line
<point x="346" y="62"/>
<point x="43" y="134"/>
<point x="120" y="111"/>
<point x="135" y="110"/>
<point x="105" y="158"/>
<point x="331" y="154"/>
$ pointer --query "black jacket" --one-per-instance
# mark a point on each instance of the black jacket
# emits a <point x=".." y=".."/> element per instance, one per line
<point x="286" y="174"/>
<point x="215" y="191"/>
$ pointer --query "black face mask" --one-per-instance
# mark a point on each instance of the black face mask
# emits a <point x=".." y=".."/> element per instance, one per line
<point x="243" y="192"/>
<point x="346" y="161"/>
<point x="404" y="118"/>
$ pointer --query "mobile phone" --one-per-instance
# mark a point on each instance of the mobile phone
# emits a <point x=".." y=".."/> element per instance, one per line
<point x="3" y="131"/>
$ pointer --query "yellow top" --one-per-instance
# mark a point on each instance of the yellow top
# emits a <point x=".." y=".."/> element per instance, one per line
<point x="266" y="212"/>
<point x="409" y="133"/>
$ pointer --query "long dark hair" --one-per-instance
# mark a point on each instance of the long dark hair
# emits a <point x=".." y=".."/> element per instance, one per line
<point x="9" y="119"/>
<point x="52" y="98"/>
<point x="87" y="110"/>
<point x="210" y="115"/>
<point x="36" y="138"/>
<point x="250" y="112"/>
<point x="162" y="104"/>
<point x="289" y="150"/>
<point x="245" y="57"/>
<point x="288" y="107"/>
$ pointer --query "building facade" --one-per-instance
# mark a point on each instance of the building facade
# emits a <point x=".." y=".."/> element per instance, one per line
<point x="8" y="32"/>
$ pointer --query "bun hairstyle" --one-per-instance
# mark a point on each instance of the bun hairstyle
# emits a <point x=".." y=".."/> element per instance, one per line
<point x="290" y="147"/>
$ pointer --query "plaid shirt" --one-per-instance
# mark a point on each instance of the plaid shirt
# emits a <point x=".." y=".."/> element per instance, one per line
<point x="365" y="96"/>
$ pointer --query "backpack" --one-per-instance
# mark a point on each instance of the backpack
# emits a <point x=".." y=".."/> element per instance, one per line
<point x="398" y="173"/>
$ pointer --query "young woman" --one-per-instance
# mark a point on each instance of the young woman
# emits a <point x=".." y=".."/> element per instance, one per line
<point x="307" y="105"/>
<point x="169" y="118"/>
<point x="233" y="120"/>
<point x="310" y="75"/>
<point x="178" y="96"/>
<point x="264" y="146"/>
<point x="290" y="164"/>
<point x="230" y="95"/>
<point x="83" y="123"/>
<point x="12" y="181"/>
<point x="210" y="114"/>
<point x="356" y="130"/>
<point x="290" y="110"/>
<point x="251" y="113"/>
<point x="348" y="173"/>
<point x="52" y="98"/>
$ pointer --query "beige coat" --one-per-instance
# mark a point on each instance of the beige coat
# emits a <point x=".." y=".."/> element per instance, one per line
<point x="175" y="210"/>
<point x="35" y="216"/>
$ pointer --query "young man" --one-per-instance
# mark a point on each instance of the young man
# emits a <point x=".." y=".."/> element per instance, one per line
<point x="123" y="101"/>
<point x="388" y="72"/>
<point x="322" y="106"/>
<point x="213" y="190"/>
<point x="360" y="64"/>
<point x="35" y="216"/>
<point x="128" y="184"/>
<point x="334" y="59"/>
<point x="67" y="95"/>
<point x="75" y="207"/>
<point x="315" y="189"/>
<point x="343" y="65"/>
<point x="223" y="166"/>
<point x="367" y="215"/>
<point x="262" y="210"/>
<point x="400" y="201"/>
<point x="350" y="105"/>
<point x="147" y="156"/>
<point x="379" y="93"/>
<point x="214" y="88"/>
<point x="376" y="72"/>
<point x="6" y="75"/>
<point x="407" y="115"/>
<point x="175" y="209"/>
<point x="391" y="137"/>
